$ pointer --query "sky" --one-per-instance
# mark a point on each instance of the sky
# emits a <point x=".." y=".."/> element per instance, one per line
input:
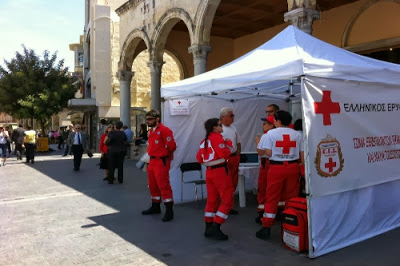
<point x="41" y="25"/>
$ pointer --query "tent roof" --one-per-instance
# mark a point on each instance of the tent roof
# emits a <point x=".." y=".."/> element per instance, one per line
<point x="273" y="68"/>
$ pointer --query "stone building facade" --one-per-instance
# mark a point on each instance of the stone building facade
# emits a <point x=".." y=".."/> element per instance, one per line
<point x="205" y="34"/>
<point x="132" y="47"/>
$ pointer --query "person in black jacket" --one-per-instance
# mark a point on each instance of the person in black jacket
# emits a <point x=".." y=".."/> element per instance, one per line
<point x="18" y="138"/>
<point x="116" y="141"/>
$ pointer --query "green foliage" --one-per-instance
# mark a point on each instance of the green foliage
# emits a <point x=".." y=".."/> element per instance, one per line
<point x="31" y="87"/>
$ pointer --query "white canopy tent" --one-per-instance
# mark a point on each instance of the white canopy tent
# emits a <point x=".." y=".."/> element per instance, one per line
<point x="349" y="104"/>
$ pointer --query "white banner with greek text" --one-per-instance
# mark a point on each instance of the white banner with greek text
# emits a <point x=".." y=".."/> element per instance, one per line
<point x="353" y="133"/>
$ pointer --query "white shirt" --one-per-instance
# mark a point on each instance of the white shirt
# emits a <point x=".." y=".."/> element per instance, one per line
<point x="76" y="141"/>
<point x="231" y="133"/>
<point x="285" y="143"/>
<point x="3" y="139"/>
<point x="262" y="140"/>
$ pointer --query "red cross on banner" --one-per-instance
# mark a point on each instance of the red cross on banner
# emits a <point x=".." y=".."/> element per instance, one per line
<point x="286" y="144"/>
<point x="326" y="107"/>
<point x="179" y="102"/>
<point x="330" y="164"/>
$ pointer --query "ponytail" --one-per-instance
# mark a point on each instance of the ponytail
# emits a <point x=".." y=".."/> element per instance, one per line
<point x="209" y="126"/>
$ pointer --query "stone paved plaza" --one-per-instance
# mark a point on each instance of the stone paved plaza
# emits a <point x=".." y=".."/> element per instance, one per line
<point x="50" y="215"/>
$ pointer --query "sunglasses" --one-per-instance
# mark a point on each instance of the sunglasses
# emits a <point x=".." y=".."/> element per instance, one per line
<point x="269" y="111"/>
<point x="77" y="128"/>
<point x="150" y="119"/>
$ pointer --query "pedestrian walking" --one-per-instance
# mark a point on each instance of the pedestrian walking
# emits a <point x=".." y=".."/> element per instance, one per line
<point x="78" y="142"/>
<point x="18" y="138"/>
<point x="116" y="142"/>
<point x="30" y="138"/>
<point x="103" y="147"/>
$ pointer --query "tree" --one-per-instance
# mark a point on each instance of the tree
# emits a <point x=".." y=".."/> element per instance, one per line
<point x="31" y="87"/>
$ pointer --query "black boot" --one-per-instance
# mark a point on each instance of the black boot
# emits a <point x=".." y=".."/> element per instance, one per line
<point x="154" y="209"/>
<point x="260" y="215"/>
<point x="215" y="232"/>
<point x="264" y="233"/>
<point x="169" y="212"/>
<point x="208" y="227"/>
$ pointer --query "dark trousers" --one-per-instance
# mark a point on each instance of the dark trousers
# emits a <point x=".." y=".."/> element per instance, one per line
<point x="77" y="151"/>
<point x="116" y="161"/>
<point x="30" y="151"/>
<point x="60" y="142"/>
<point x="18" y="150"/>
<point x="67" y="149"/>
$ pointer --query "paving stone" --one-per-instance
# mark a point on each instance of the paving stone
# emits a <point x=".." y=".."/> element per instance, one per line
<point x="51" y="215"/>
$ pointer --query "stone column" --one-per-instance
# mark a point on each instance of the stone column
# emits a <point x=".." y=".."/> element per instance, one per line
<point x="155" y="73"/>
<point x="200" y="52"/>
<point x="302" y="14"/>
<point x="125" y="78"/>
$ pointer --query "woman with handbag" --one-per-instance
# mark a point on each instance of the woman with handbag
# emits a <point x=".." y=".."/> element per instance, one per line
<point x="4" y="141"/>
<point x="104" y="151"/>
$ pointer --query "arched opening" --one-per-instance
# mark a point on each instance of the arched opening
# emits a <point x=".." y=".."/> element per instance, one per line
<point x="372" y="34"/>
<point x="172" y="71"/>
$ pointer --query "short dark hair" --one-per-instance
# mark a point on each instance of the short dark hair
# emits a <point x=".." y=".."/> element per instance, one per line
<point x="284" y="117"/>
<point x="118" y="125"/>
<point x="19" y="125"/>
<point x="276" y="107"/>
<point x="298" y="125"/>
<point x="153" y="113"/>
<point x="103" y="121"/>
<point x="124" y="127"/>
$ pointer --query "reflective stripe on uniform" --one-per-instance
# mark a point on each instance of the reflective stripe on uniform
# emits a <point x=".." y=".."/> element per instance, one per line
<point x="260" y="206"/>
<point x="156" y="198"/>
<point x="222" y="215"/>
<point x="209" y="214"/>
<point x="168" y="200"/>
<point x="269" y="215"/>
<point x="281" y="203"/>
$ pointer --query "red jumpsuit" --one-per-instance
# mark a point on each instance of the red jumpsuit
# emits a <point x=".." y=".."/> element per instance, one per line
<point x="283" y="173"/>
<point x="218" y="181"/>
<point x="160" y="149"/>
<point x="262" y="183"/>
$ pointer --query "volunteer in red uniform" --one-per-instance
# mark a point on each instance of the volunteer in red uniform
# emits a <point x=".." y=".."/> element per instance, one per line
<point x="161" y="147"/>
<point x="230" y="133"/>
<point x="284" y="146"/>
<point x="213" y="153"/>
<point x="268" y="124"/>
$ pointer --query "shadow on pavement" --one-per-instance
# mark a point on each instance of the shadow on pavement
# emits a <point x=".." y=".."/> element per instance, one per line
<point x="181" y="241"/>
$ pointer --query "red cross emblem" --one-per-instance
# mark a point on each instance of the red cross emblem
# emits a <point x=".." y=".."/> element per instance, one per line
<point x="326" y="107"/>
<point x="330" y="165"/>
<point x="179" y="102"/>
<point x="286" y="144"/>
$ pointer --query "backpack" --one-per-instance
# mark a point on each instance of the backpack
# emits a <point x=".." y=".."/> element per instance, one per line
<point x="294" y="229"/>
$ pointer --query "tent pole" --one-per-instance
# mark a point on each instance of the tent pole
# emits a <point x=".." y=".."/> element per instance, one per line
<point x="307" y="161"/>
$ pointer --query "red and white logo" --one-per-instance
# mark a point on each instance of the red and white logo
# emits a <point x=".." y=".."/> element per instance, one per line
<point x="285" y="144"/>
<point x="329" y="158"/>
<point x="326" y="107"/>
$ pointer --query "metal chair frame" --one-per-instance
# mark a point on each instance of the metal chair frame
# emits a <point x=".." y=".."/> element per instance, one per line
<point x="187" y="167"/>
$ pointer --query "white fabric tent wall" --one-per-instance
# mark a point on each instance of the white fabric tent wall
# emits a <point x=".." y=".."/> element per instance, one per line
<point x="290" y="56"/>
<point x="189" y="131"/>
<point x="362" y="200"/>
